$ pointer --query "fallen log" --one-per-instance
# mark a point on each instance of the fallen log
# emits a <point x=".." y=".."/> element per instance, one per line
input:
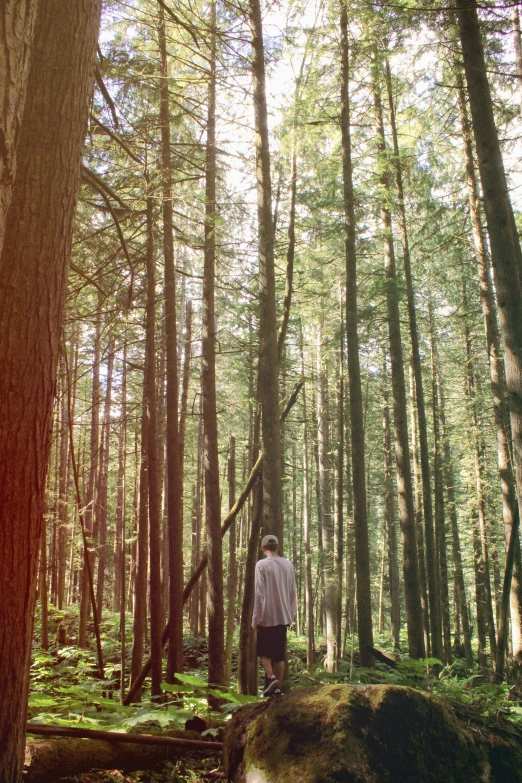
<point x="73" y="751"/>
<point x="118" y="736"/>
<point x="382" y="657"/>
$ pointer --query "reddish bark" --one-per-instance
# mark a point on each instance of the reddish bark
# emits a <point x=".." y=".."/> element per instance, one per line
<point x="33" y="271"/>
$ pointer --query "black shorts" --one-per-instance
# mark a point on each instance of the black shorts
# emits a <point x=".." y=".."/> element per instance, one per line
<point x="271" y="642"/>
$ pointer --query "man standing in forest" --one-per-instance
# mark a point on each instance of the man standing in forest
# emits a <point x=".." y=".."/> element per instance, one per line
<point x="274" y="610"/>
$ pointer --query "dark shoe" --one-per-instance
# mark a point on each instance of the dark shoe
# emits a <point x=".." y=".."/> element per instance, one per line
<point x="271" y="684"/>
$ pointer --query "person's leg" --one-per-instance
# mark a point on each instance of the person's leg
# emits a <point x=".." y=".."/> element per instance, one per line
<point x="266" y="663"/>
<point x="279" y="670"/>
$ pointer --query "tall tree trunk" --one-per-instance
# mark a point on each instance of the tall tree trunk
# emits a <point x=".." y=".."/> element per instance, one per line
<point x="103" y="480"/>
<point x="505" y="247"/>
<point x="478" y="453"/>
<point x="33" y="275"/>
<point x="43" y="590"/>
<point x="139" y="621"/>
<point x="517" y="40"/>
<point x="498" y="382"/>
<point x="90" y="499"/>
<point x="119" y="546"/>
<point x="419" y="533"/>
<point x="119" y="537"/>
<point x="173" y="477"/>
<point x="440" y="519"/>
<point x="63" y="485"/>
<point x="185" y="385"/>
<point x="155" y="594"/>
<point x="247" y="669"/>
<point x="449" y="480"/>
<point x="307" y="511"/>
<point x="268" y="351"/>
<point x="232" y="562"/>
<point x="216" y="651"/>
<point x="400" y="417"/>
<point x="393" y="561"/>
<point x="362" y="555"/>
<point x="435" y="617"/>
<point x="331" y="586"/>
<point x="339" y="480"/>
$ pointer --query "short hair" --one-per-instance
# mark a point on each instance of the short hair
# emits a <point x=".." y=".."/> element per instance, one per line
<point x="271" y="546"/>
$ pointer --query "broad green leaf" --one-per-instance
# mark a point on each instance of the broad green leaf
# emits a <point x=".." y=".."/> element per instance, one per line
<point x="192" y="679"/>
<point x="237" y="698"/>
<point x="41" y="701"/>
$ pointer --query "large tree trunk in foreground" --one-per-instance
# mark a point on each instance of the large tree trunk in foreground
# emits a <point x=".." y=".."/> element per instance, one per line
<point x="33" y="271"/>
<point x="505" y="248"/>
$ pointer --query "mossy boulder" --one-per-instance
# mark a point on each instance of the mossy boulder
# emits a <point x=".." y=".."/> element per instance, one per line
<point x="366" y="734"/>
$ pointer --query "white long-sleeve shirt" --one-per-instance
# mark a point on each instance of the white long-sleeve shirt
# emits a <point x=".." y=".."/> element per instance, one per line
<point x="275" y="597"/>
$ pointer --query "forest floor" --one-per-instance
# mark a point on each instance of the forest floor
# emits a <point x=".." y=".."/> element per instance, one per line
<point x="191" y="771"/>
<point x="66" y="692"/>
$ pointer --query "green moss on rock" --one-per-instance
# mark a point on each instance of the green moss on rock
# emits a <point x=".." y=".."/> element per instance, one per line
<point x="354" y="734"/>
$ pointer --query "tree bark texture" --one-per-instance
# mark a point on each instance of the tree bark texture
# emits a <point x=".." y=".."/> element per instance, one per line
<point x="33" y="274"/>
<point x="17" y="24"/>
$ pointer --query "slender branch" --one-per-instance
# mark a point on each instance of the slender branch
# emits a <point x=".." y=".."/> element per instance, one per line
<point x="104" y="91"/>
<point x="175" y="18"/>
<point x="118" y="139"/>
<point x="101" y="186"/>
